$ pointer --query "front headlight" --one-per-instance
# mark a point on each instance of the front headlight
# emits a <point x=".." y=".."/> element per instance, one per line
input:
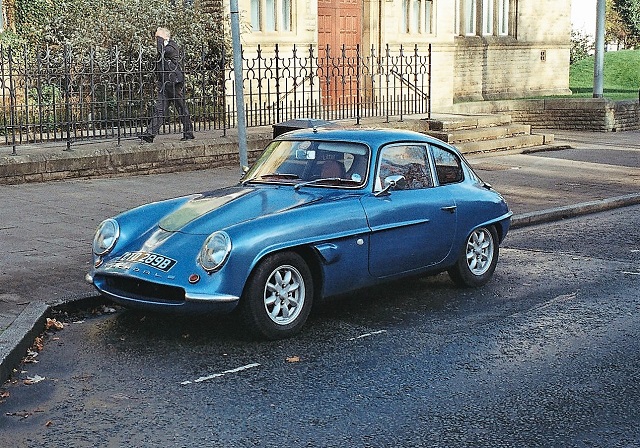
<point x="214" y="251"/>
<point x="107" y="235"/>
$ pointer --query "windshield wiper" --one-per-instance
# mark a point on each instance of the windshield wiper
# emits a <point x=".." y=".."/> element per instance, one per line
<point x="280" y="176"/>
<point x="322" y="180"/>
<point x="273" y="176"/>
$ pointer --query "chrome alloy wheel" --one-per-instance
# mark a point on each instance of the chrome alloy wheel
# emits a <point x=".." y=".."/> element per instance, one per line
<point x="284" y="294"/>
<point x="480" y="251"/>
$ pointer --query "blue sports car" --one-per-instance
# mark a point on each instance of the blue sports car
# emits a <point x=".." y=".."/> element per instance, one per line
<point x="322" y="212"/>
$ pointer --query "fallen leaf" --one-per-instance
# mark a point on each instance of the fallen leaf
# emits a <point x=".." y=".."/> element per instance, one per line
<point x="38" y="344"/>
<point x="33" y="380"/>
<point x="53" y="324"/>
<point x="22" y="415"/>
<point x="49" y="423"/>
<point x="293" y="359"/>
<point x="31" y="357"/>
<point x="121" y="396"/>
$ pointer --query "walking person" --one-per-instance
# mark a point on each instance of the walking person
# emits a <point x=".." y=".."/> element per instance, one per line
<point x="170" y="88"/>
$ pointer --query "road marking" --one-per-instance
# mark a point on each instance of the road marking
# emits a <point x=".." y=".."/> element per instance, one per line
<point x="366" y="335"/>
<point x="218" y="375"/>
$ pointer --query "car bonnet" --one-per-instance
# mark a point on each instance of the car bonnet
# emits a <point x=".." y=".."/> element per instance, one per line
<point x="220" y="209"/>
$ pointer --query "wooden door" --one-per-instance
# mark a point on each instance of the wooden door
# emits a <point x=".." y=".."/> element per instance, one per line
<point x="339" y="31"/>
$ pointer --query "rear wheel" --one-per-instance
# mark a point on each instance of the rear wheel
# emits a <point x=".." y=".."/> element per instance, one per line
<point x="278" y="296"/>
<point x="478" y="259"/>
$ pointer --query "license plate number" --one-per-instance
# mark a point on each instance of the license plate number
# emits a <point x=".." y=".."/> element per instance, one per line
<point x="147" y="258"/>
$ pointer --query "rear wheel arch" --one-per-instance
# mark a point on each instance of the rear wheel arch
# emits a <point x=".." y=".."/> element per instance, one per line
<point x="499" y="231"/>
<point x="478" y="257"/>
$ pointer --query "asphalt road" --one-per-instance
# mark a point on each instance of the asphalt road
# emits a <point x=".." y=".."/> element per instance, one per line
<point x="547" y="354"/>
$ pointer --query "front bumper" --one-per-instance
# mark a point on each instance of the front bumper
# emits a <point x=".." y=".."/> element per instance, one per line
<point x="141" y="294"/>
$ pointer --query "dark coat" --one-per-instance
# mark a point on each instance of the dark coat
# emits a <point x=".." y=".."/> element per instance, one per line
<point x="169" y="64"/>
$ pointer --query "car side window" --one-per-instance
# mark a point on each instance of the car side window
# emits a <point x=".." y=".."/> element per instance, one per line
<point x="409" y="161"/>
<point x="448" y="166"/>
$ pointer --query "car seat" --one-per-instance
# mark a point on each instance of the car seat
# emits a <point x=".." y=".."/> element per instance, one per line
<point x="332" y="168"/>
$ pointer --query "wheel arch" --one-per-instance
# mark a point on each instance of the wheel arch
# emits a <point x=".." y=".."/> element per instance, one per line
<point x="308" y="254"/>
<point x="501" y="226"/>
<point x="461" y="273"/>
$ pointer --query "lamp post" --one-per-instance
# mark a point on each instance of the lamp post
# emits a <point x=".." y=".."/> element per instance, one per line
<point x="598" y="66"/>
<point x="237" y="73"/>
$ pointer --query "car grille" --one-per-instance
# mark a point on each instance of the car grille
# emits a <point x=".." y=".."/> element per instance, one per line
<point x="143" y="290"/>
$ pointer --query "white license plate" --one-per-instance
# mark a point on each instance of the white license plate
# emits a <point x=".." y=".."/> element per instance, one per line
<point x="147" y="258"/>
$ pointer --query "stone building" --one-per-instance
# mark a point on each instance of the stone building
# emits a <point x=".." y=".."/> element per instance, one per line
<point x="481" y="49"/>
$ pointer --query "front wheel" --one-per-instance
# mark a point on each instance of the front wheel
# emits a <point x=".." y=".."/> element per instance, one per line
<point x="478" y="259"/>
<point x="278" y="296"/>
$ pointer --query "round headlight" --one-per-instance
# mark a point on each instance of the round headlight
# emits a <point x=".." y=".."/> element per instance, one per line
<point x="106" y="236"/>
<point x="214" y="251"/>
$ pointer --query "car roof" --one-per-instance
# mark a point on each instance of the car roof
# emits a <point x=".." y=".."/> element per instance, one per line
<point x="374" y="137"/>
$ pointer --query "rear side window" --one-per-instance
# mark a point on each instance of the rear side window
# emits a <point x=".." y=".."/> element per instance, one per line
<point x="448" y="166"/>
<point x="409" y="161"/>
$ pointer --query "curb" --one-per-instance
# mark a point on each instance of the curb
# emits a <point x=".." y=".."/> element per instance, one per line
<point x="16" y="340"/>
<point x="571" y="211"/>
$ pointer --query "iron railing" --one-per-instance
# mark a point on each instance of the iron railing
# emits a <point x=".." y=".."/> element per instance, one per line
<point x="61" y="96"/>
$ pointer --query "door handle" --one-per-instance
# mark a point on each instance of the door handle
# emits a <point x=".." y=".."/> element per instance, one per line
<point x="450" y="209"/>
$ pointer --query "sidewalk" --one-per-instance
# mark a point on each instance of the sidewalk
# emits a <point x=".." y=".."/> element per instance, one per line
<point x="46" y="228"/>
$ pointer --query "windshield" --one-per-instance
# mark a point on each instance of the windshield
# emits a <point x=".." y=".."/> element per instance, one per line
<point x="318" y="163"/>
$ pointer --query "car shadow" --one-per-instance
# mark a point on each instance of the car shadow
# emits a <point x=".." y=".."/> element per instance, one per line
<point x="386" y="305"/>
<point x="376" y="305"/>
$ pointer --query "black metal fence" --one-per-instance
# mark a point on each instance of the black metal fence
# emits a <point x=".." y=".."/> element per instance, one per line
<point x="67" y="97"/>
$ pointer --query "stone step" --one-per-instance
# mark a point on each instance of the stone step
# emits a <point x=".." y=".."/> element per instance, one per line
<point x="449" y="123"/>
<point x="477" y="134"/>
<point x="501" y="144"/>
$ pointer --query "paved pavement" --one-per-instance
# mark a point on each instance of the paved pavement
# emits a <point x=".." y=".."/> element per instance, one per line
<point x="46" y="228"/>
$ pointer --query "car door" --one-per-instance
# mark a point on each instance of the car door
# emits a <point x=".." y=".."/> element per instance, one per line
<point x="412" y="225"/>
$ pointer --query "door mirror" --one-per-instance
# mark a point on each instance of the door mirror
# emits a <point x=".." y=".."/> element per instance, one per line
<point x="395" y="182"/>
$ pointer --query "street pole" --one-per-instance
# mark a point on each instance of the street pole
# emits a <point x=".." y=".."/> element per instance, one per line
<point x="598" y="66"/>
<point x="237" y="73"/>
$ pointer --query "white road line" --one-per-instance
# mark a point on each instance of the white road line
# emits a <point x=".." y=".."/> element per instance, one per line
<point x="218" y="375"/>
<point x="366" y="335"/>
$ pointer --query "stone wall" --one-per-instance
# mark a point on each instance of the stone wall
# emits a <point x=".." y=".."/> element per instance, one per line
<point x="106" y="159"/>
<point x="488" y="69"/>
<point x="582" y="114"/>
<point x="533" y="60"/>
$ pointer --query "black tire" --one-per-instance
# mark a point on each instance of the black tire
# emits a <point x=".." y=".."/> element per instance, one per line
<point x="278" y="296"/>
<point x="478" y="258"/>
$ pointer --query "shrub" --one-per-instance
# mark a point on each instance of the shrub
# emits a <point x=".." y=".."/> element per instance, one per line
<point x="105" y="24"/>
<point x="581" y="46"/>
